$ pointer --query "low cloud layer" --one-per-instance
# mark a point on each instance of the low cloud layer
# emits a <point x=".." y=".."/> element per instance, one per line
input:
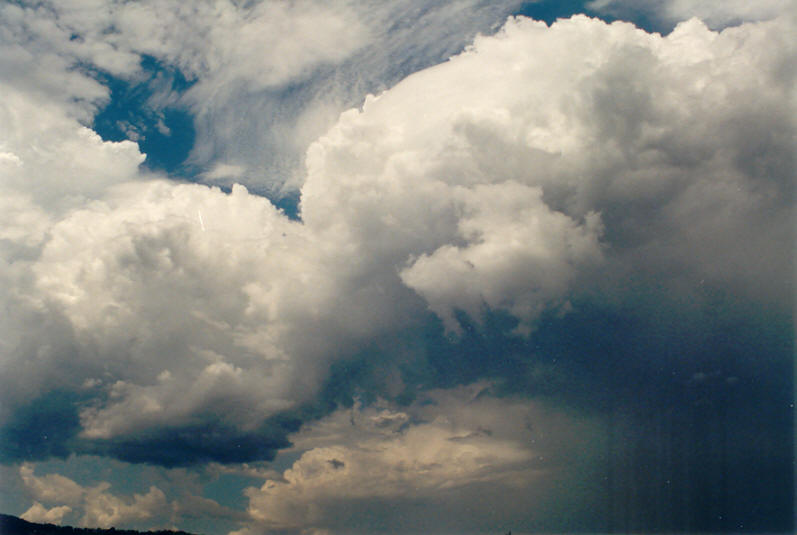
<point x="99" y="504"/>
<point x="101" y="508"/>
<point x="431" y="457"/>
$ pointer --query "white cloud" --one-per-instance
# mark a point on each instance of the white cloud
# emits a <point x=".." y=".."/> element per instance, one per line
<point x="54" y="161"/>
<point x="497" y="179"/>
<point x="518" y="255"/>
<point x="51" y="164"/>
<point x="625" y="130"/>
<point x="40" y="514"/>
<point x="97" y="505"/>
<point x="100" y="507"/>
<point x="154" y="278"/>
<point x="195" y="303"/>
<point x="105" y="510"/>
<point x="51" y="488"/>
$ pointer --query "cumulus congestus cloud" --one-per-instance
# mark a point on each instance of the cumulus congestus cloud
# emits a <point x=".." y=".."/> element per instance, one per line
<point x="512" y="185"/>
<point x="595" y="218"/>
<point x="630" y="145"/>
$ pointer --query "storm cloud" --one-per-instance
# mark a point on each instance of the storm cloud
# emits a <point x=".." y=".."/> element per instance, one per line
<point x="556" y="265"/>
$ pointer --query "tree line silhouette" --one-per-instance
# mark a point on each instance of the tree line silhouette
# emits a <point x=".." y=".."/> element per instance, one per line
<point x="11" y="525"/>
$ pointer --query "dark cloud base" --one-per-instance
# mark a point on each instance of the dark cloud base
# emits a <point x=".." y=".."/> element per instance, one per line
<point x="696" y="403"/>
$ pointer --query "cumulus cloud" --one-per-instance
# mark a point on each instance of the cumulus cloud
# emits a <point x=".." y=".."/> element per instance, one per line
<point x="435" y="451"/>
<point x="186" y="305"/>
<point x="40" y="514"/>
<point x="51" y="487"/>
<point x="176" y="323"/>
<point x="52" y="159"/>
<point x="51" y="164"/>
<point x="519" y="256"/>
<point x="100" y="508"/>
<point x="236" y="294"/>
<point x="105" y="510"/>
<point x="175" y="499"/>
<point x="227" y="355"/>
<point x="617" y="139"/>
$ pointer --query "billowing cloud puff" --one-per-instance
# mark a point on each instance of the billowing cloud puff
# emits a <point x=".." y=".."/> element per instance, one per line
<point x="100" y="508"/>
<point x="501" y="173"/>
<point x="50" y="164"/>
<point x="51" y="487"/>
<point x="106" y="510"/>
<point x="176" y="314"/>
<point x="169" y="291"/>
<point x="54" y="161"/>
<point x="519" y="255"/>
<point x="40" y="514"/>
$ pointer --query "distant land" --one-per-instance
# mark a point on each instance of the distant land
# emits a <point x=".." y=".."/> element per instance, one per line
<point x="11" y="525"/>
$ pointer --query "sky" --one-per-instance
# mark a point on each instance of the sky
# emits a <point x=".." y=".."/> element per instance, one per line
<point x="447" y="267"/>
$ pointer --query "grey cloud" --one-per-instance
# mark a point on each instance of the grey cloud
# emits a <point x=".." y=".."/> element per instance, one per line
<point x="667" y="13"/>
<point x="597" y="230"/>
<point x="420" y="464"/>
<point x="182" y="303"/>
<point x="336" y="464"/>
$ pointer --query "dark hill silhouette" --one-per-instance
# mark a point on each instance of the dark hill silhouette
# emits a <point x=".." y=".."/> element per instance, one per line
<point x="11" y="525"/>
